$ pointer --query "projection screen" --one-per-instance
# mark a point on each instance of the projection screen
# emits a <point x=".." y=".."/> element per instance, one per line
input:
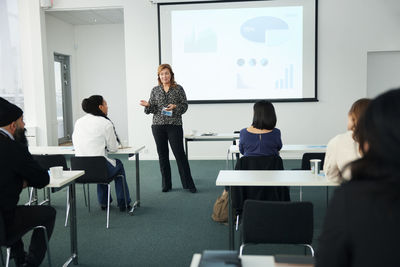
<point x="241" y="51"/>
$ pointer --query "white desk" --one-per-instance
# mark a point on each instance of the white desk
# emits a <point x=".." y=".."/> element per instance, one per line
<point x="68" y="179"/>
<point x="287" y="151"/>
<point x="215" y="137"/>
<point x="266" y="178"/>
<point x="132" y="152"/>
<point x="253" y="261"/>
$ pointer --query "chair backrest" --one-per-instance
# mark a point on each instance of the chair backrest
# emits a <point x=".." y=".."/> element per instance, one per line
<point x="95" y="169"/>
<point x="270" y="193"/>
<point x="305" y="161"/>
<point x="277" y="222"/>
<point x="260" y="163"/>
<point x="48" y="161"/>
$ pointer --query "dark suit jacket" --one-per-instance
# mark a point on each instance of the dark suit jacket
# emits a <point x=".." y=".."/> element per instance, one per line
<point x="362" y="226"/>
<point x="16" y="165"/>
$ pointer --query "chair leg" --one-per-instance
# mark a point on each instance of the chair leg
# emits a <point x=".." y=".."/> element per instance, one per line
<point x="48" y="195"/>
<point x="30" y="196"/>
<point x="8" y="256"/>
<point x="67" y="209"/>
<point x="108" y="204"/>
<point x="35" y="194"/>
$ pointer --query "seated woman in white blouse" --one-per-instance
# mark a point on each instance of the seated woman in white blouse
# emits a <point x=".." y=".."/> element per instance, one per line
<point x="343" y="149"/>
<point x="94" y="135"/>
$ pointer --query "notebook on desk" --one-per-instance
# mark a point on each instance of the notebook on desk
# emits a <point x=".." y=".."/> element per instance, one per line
<point x="220" y="258"/>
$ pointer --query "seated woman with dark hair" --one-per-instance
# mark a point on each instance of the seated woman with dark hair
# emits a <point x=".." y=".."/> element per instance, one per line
<point x="362" y="222"/>
<point x="261" y="138"/>
<point x="94" y="135"/>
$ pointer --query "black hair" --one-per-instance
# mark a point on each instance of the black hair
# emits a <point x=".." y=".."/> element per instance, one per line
<point x="91" y="105"/>
<point x="378" y="133"/>
<point x="264" y="115"/>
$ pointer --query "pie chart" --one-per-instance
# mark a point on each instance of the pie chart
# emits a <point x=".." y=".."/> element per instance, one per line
<point x="269" y="30"/>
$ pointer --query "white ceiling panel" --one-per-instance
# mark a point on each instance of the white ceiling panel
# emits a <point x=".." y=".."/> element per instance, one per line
<point x="90" y="16"/>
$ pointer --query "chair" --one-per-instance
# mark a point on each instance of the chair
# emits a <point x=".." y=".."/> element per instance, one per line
<point x="267" y="222"/>
<point x="95" y="173"/>
<point x="266" y="193"/>
<point x="271" y="193"/>
<point x="7" y="241"/>
<point x="305" y="161"/>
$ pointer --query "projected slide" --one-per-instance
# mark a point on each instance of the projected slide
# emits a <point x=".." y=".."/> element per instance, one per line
<point x="239" y="53"/>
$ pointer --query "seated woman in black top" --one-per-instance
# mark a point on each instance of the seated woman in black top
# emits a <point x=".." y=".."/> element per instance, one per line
<point x="261" y="138"/>
<point x="362" y="225"/>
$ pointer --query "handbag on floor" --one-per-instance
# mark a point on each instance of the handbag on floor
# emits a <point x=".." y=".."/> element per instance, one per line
<point x="220" y="210"/>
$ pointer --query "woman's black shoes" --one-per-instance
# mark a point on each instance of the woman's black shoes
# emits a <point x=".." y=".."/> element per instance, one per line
<point x="193" y="190"/>
<point x="166" y="189"/>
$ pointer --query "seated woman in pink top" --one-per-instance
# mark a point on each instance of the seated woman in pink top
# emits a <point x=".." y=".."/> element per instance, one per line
<point x="261" y="138"/>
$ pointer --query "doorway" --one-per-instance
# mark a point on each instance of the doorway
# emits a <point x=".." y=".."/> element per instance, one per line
<point x="62" y="92"/>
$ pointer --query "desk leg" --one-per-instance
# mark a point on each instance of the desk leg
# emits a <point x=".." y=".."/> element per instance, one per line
<point x="186" y="149"/>
<point x="301" y="194"/>
<point x="230" y="221"/>
<point x="137" y="202"/>
<point x="137" y="180"/>
<point x="73" y="227"/>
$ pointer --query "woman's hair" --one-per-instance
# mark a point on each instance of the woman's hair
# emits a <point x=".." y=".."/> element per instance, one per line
<point x="91" y="105"/>
<point x="378" y="133"/>
<point x="264" y="115"/>
<point x="357" y="109"/>
<point x="161" y="68"/>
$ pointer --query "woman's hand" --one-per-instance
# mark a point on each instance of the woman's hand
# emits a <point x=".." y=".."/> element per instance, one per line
<point x="170" y="107"/>
<point x="144" y="103"/>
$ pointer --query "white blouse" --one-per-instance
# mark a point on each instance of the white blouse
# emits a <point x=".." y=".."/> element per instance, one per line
<point x="94" y="136"/>
<point x="341" y="150"/>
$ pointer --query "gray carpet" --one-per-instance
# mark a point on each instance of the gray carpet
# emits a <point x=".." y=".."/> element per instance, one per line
<point x="168" y="227"/>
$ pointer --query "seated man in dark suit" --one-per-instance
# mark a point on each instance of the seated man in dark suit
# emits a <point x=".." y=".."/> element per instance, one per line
<point x="19" y="170"/>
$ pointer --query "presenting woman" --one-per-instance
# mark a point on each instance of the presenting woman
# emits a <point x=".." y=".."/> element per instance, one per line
<point x="168" y="103"/>
<point x="94" y="135"/>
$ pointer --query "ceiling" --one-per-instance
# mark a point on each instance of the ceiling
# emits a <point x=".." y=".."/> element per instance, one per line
<point x="90" y="17"/>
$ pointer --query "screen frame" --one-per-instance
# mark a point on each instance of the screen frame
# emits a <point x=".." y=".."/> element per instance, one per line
<point x="224" y="101"/>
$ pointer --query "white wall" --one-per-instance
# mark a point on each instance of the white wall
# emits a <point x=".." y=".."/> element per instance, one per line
<point x="33" y="69"/>
<point x="60" y="39"/>
<point x="97" y="57"/>
<point x="100" y="68"/>
<point x="347" y="30"/>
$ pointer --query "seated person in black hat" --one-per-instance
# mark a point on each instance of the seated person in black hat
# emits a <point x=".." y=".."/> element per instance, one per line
<point x="19" y="170"/>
